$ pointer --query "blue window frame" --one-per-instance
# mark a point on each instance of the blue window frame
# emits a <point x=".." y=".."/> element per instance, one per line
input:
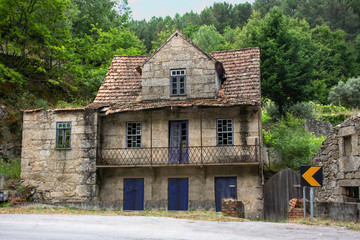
<point x="133" y="134"/>
<point x="178" y="81"/>
<point x="224" y="131"/>
<point x="63" y="134"/>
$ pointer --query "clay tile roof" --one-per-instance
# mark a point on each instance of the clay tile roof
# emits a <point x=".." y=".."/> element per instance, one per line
<point x="122" y="82"/>
<point x="122" y="85"/>
<point x="242" y="71"/>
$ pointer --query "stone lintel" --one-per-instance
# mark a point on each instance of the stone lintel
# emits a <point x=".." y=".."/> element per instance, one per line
<point x="349" y="183"/>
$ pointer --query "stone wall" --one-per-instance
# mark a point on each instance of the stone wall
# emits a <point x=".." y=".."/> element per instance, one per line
<point x="201" y="77"/>
<point x="201" y="186"/>
<point x="340" y="159"/>
<point x="319" y="128"/>
<point x="60" y="175"/>
<point x="246" y="129"/>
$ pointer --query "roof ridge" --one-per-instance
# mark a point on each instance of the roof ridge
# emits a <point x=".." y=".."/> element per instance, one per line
<point x="235" y="50"/>
<point x="177" y="32"/>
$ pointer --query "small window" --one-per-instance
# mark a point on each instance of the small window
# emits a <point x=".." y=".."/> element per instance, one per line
<point x="133" y="135"/>
<point x="63" y="134"/>
<point x="178" y="81"/>
<point x="224" y="129"/>
<point x="347" y="146"/>
<point x="352" y="194"/>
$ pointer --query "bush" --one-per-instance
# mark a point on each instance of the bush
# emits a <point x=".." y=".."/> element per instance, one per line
<point x="272" y="111"/>
<point x="335" y="119"/>
<point x="346" y="93"/>
<point x="302" y="110"/>
<point x="11" y="168"/>
<point x="293" y="142"/>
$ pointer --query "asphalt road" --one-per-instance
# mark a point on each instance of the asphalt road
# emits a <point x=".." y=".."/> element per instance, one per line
<point x="83" y="227"/>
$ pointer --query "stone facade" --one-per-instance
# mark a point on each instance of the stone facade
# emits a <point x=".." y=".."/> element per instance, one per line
<point x="340" y="159"/>
<point x="60" y="175"/>
<point x="245" y="119"/>
<point x="201" y="76"/>
<point x="201" y="186"/>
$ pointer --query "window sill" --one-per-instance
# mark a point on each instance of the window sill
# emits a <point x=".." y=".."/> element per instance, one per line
<point x="178" y="95"/>
<point x="58" y="148"/>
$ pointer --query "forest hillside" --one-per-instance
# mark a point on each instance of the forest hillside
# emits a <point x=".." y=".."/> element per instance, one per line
<point x="55" y="53"/>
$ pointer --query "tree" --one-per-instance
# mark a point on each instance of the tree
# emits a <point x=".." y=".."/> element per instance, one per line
<point x="209" y="39"/>
<point x="287" y="56"/>
<point x="346" y="93"/>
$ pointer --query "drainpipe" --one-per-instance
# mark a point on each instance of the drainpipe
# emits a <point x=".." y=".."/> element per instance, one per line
<point x="201" y="145"/>
<point x="151" y="137"/>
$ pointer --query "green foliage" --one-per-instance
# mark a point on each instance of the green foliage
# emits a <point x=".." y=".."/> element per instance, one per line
<point x="329" y="108"/>
<point x="162" y="37"/>
<point x="346" y="93"/>
<point x="293" y="142"/>
<point x="335" y="119"/>
<point x="11" y="168"/>
<point x="266" y="119"/>
<point x="287" y="60"/>
<point x="209" y="39"/>
<point x="302" y="110"/>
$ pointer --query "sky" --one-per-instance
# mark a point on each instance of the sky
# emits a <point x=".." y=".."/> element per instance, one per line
<point x="161" y="8"/>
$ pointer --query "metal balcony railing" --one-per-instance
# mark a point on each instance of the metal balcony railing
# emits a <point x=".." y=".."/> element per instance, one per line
<point x="167" y="156"/>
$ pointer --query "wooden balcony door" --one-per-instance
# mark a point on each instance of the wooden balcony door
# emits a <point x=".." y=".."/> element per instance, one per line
<point x="178" y="142"/>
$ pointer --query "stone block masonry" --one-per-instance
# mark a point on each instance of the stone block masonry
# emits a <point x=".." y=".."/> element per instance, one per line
<point x="340" y="159"/>
<point x="60" y="175"/>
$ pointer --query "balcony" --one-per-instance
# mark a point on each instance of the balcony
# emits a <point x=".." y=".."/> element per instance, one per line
<point x="189" y="156"/>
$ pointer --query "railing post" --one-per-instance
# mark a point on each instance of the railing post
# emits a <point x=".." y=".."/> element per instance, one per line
<point x="256" y="149"/>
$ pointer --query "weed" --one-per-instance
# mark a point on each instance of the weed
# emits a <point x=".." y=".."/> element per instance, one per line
<point x="11" y="168"/>
<point x="21" y="187"/>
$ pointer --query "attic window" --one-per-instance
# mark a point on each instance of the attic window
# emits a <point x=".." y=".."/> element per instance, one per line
<point x="178" y="81"/>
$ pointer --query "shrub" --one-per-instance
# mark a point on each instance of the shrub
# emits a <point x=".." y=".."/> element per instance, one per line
<point x="293" y="142"/>
<point x="334" y="119"/>
<point x="302" y="110"/>
<point x="11" y="168"/>
<point x="346" y="93"/>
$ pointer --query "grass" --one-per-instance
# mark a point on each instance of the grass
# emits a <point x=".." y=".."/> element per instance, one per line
<point x="11" y="168"/>
<point x="192" y="215"/>
<point x="327" y="222"/>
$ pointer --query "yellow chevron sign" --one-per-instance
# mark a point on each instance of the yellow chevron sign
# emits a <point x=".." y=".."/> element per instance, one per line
<point x="311" y="176"/>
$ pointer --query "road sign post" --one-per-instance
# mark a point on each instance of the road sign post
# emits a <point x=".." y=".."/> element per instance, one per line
<point x="311" y="176"/>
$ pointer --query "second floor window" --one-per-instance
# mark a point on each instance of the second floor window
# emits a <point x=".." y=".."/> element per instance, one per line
<point x="224" y="130"/>
<point x="178" y="81"/>
<point x="133" y="135"/>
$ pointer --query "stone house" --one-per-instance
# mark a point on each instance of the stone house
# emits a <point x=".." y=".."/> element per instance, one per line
<point x="178" y="130"/>
<point x="340" y="158"/>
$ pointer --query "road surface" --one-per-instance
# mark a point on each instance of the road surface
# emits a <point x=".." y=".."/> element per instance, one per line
<point x="84" y="227"/>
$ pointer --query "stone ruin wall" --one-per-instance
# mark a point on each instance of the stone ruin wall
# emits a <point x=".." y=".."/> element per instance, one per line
<point x="340" y="169"/>
<point x="59" y="175"/>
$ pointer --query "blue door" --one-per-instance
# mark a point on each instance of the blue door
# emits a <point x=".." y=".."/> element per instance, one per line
<point x="225" y="187"/>
<point x="178" y="194"/>
<point x="134" y="194"/>
<point x="178" y="142"/>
